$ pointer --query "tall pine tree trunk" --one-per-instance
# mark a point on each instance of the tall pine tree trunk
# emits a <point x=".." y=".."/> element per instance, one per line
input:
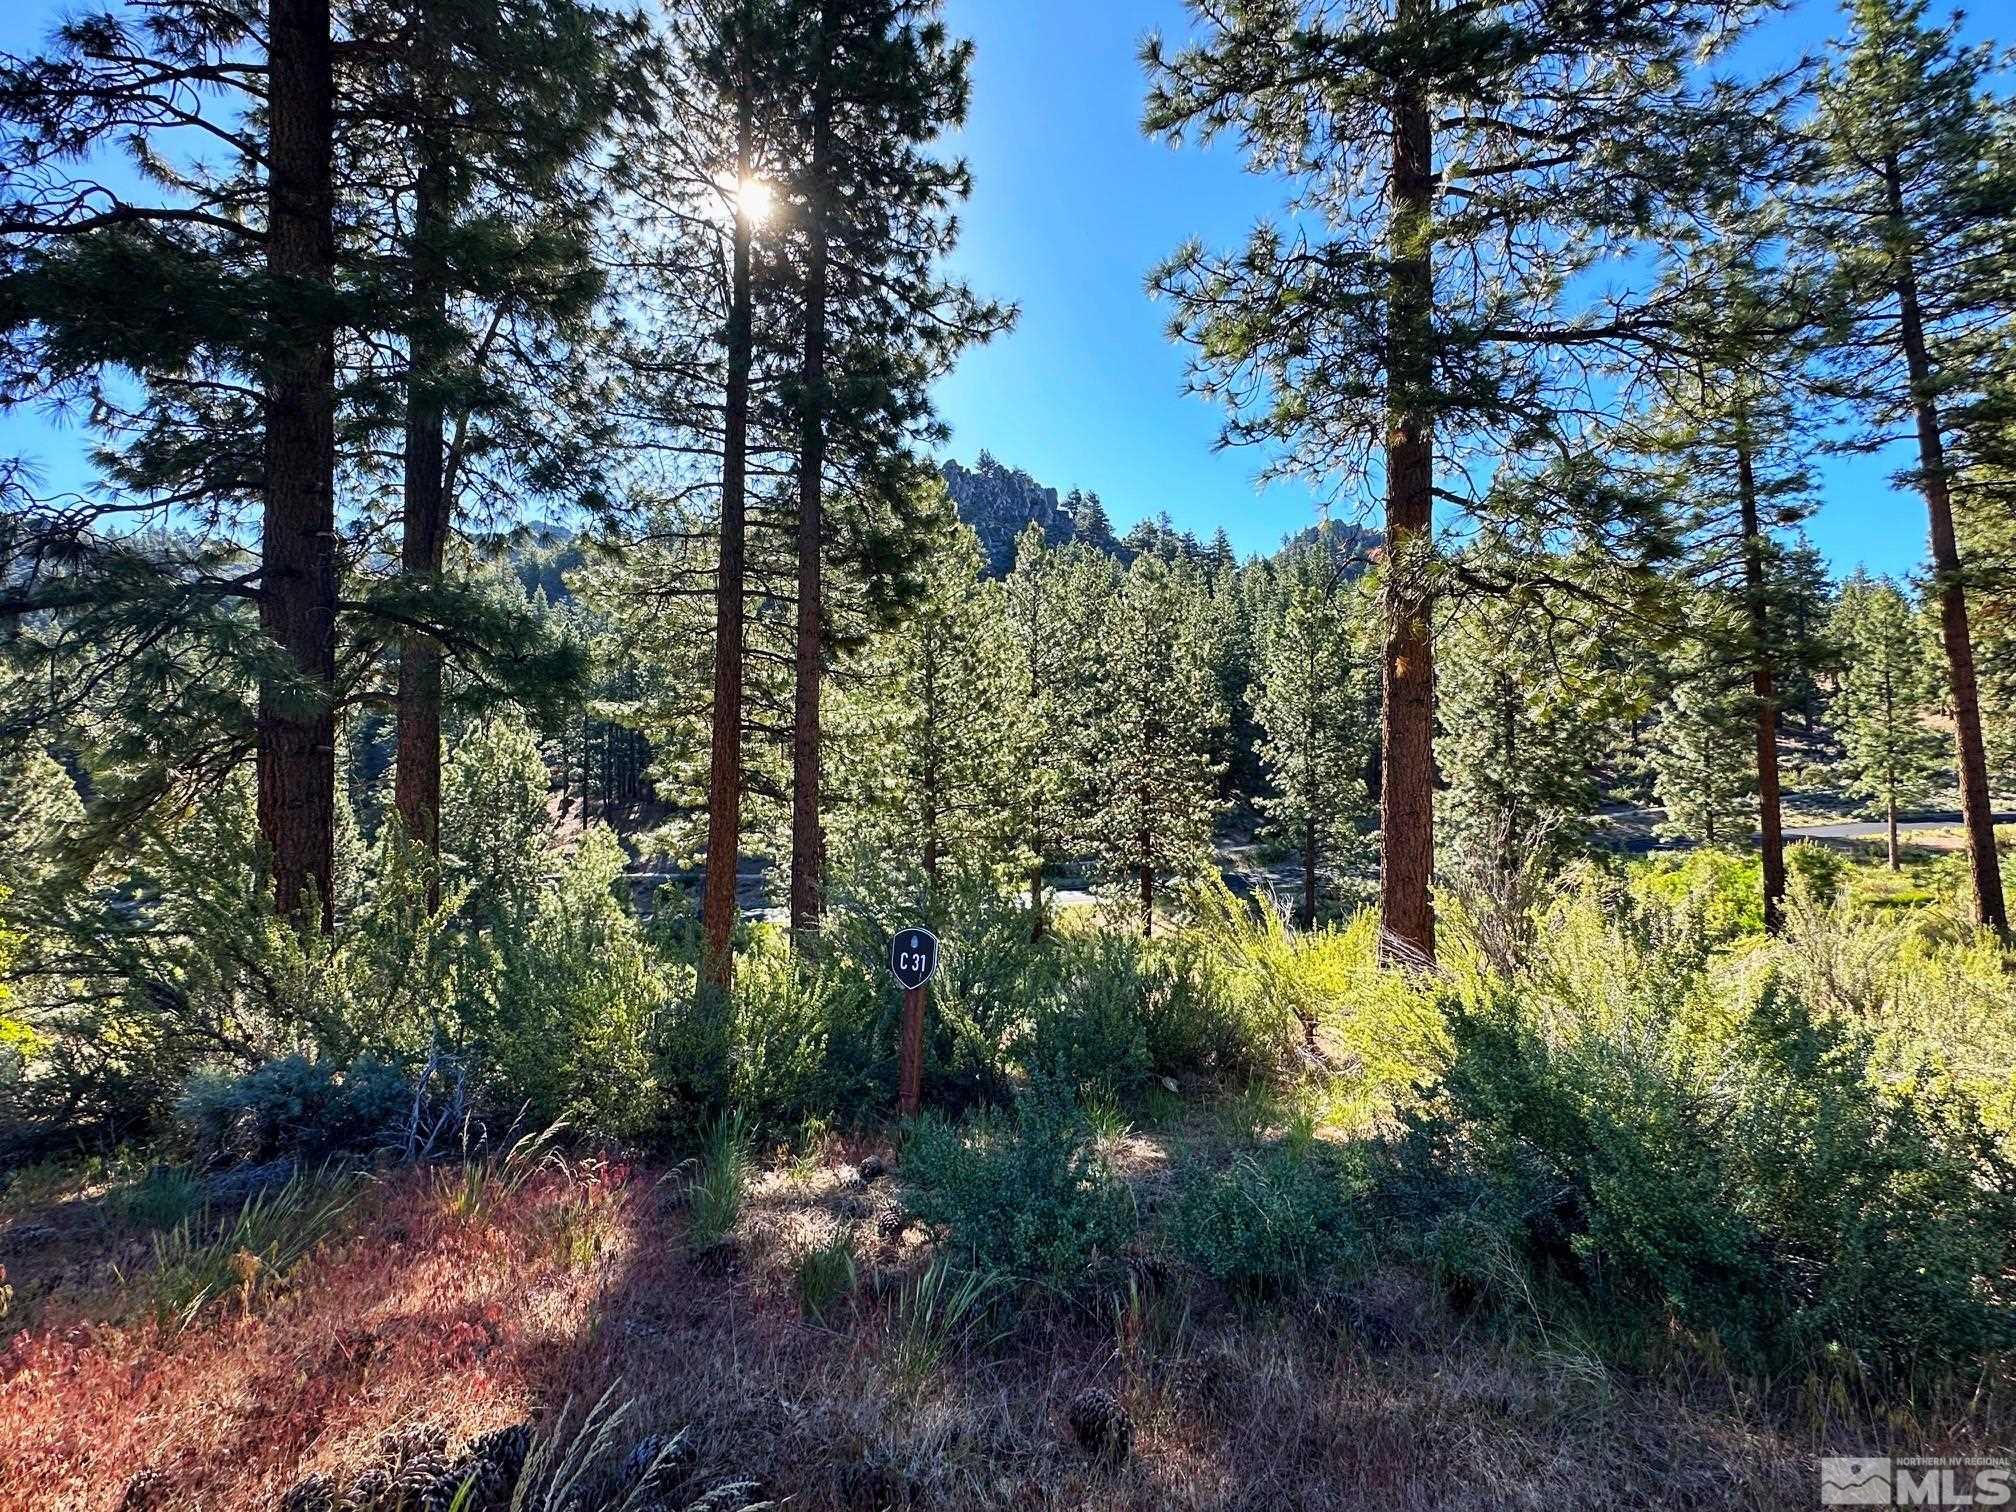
<point x="1896" y="861"/>
<point x="719" y="909"/>
<point x="1763" y="689"/>
<point x="1407" y="721"/>
<point x="417" y="780"/>
<point x="297" y="600"/>
<point x="808" y="842"/>
<point x="1977" y="813"/>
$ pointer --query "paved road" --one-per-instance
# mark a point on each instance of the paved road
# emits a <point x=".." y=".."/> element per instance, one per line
<point x="1876" y="829"/>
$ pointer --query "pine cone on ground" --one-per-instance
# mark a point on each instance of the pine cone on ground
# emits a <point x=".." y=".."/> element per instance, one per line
<point x="425" y="1483"/>
<point x="1100" y="1424"/>
<point x="312" y="1493"/>
<point x="491" y="1463"/>
<point x="367" y="1491"/>
<point x="658" y="1463"/>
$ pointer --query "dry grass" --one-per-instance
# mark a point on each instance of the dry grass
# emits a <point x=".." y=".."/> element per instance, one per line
<point x="1379" y="1398"/>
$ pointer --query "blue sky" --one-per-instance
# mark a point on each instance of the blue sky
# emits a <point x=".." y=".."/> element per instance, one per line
<point x="1072" y="206"/>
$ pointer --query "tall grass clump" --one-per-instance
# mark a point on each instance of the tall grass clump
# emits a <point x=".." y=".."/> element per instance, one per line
<point x="941" y="1311"/>
<point x="578" y="1461"/>
<point x="484" y="1177"/>
<point x="202" y="1259"/>
<point x="824" y="1274"/>
<point x="720" y="1182"/>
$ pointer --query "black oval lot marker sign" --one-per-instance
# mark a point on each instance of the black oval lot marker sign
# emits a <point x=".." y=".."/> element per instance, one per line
<point x="913" y="957"/>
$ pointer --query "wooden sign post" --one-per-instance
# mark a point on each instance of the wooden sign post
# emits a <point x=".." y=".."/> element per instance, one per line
<point x="913" y="957"/>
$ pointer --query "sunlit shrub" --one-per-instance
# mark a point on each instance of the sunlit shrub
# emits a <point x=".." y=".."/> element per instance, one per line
<point x="567" y="1029"/>
<point x="1030" y="1194"/>
<point x="1088" y="1017"/>
<point x="1271" y="1218"/>
<point x="1716" y="892"/>
<point x="1727" y="1161"/>
<point x="805" y="1038"/>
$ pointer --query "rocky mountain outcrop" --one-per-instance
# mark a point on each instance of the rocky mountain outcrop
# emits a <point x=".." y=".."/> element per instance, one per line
<point x="1001" y="502"/>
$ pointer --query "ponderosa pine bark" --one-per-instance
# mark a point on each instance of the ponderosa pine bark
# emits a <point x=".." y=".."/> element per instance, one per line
<point x="808" y="841"/>
<point x="1977" y="809"/>
<point x="296" y="734"/>
<point x="1407" y="719"/>
<point x="1763" y="689"/>
<point x="417" y="766"/>
<point x="719" y="908"/>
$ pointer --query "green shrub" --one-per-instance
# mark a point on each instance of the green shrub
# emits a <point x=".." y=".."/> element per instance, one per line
<point x="1248" y="995"/>
<point x="989" y="972"/>
<point x="1716" y="892"/>
<point x="1817" y="869"/>
<point x="1087" y="1020"/>
<point x="1731" y="1165"/>
<point x="293" y="1108"/>
<point x="1031" y="1195"/>
<point x="563" y="1023"/>
<point x="807" y="1038"/>
<point x="1270" y="1219"/>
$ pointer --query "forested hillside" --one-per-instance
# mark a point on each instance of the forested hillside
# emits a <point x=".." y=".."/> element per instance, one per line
<point x="586" y="923"/>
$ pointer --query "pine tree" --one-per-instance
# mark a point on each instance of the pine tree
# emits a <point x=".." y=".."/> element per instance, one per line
<point x="874" y="219"/>
<point x="1731" y="426"/>
<point x="1313" y="699"/>
<point x="1220" y="557"/>
<point x="1156" y="716"/>
<point x="1918" y="212"/>
<point x="935" y="733"/>
<point x="280" y="269"/>
<point x="1053" y="603"/>
<point x="1705" y="774"/>
<point x="1528" y="707"/>
<point x="1801" y="601"/>
<point x="1463" y="166"/>
<point x="39" y="811"/>
<point x="1094" y="528"/>
<point x="1888" y="685"/>
<point x="236" y="369"/>
<point x="494" y="115"/>
<point x="701" y="372"/>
